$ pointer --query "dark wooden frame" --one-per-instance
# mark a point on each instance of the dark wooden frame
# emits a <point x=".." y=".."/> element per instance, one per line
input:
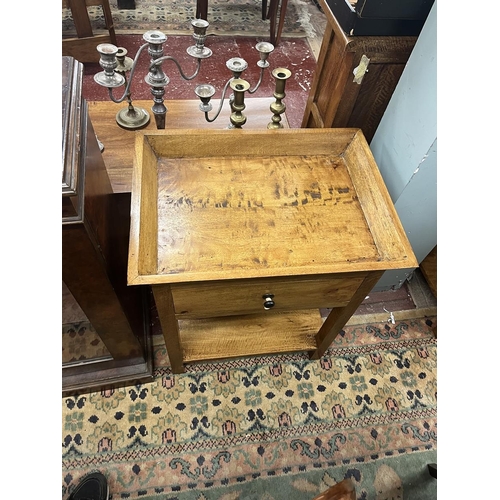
<point x="95" y="235"/>
<point x="336" y="100"/>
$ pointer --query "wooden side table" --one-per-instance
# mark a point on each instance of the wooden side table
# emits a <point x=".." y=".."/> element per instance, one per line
<point x="355" y="78"/>
<point x="244" y="235"/>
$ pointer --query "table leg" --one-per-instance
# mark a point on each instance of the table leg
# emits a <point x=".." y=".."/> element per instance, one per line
<point x="202" y="9"/>
<point x="276" y="15"/>
<point x="108" y="17"/>
<point x="281" y="22"/>
<point x="81" y="19"/>
<point x="339" y="316"/>
<point x="169" y="325"/>
<point x="126" y="4"/>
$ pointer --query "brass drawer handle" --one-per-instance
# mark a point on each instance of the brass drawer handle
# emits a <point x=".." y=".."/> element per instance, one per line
<point x="268" y="301"/>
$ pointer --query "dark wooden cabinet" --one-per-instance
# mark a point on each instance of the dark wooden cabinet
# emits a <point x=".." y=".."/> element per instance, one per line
<point x="381" y="17"/>
<point x="355" y="78"/>
<point x="95" y="234"/>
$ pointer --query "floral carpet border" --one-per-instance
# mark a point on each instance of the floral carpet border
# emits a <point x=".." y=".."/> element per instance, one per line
<point x="371" y="398"/>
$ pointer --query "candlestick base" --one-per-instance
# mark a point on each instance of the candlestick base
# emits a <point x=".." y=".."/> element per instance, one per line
<point x="132" y="119"/>
<point x="202" y="53"/>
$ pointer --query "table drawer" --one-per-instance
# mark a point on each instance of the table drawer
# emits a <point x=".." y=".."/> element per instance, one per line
<point x="223" y="298"/>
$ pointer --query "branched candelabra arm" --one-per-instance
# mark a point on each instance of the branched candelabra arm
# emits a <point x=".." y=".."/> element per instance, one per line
<point x="205" y="93"/>
<point x="132" y="71"/>
<point x="132" y="117"/>
<point x="264" y="48"/>
<point x="157" y="62"/>
<point x="252" y="91"/>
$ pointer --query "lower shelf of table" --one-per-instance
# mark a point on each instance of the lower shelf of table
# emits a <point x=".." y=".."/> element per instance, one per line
<point x="250" y="335"/>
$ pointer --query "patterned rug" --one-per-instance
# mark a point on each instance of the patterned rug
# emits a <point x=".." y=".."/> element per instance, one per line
<point x="226" y="17"/>
<point x="80" y="342"/>
<point x="273" y="427"/>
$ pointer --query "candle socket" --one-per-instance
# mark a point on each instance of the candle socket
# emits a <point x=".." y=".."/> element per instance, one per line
<point x="108" y="62"/>
<point x="205" y="92"/>
<point x="264" y="48"/>
<point x="200" y="35"/>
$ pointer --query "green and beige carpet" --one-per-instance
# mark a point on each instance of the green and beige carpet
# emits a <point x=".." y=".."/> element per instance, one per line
<point x="273" y="427"/>
<point x="226" y="17"/>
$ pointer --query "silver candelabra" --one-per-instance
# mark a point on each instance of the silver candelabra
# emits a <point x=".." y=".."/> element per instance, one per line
<point x="113" y="74"/>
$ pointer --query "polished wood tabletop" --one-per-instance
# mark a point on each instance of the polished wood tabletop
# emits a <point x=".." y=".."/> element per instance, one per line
<point x="119" y="143"/>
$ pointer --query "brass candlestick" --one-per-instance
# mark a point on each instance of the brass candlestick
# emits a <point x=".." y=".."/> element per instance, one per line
<point x="239" y="87"/>
<point x="278" y="108"/>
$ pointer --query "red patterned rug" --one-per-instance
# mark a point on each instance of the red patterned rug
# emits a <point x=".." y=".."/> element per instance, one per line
<point x="273" y="427"/>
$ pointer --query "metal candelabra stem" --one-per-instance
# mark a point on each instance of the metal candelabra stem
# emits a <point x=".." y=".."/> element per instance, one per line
<point x="131" y="117"/>
<point x="156" y="78"/>
<point x="278" y="107"/>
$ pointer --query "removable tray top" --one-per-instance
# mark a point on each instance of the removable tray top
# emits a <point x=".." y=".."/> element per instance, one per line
<point x="237" y="204"/>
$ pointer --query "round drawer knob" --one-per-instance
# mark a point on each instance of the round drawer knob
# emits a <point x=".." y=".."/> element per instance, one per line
<point x="268" y="301"/>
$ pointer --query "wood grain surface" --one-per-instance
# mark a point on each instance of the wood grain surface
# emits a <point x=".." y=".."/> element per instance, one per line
<point x="252" y="335"/>
<point x="205" y="300"/>
<point x="338" y="100"/>
<point x="119" y="143"/>
<point x="248" y="204"/>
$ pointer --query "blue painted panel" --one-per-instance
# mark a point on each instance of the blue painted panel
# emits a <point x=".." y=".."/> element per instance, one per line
<point x="409" y="125"/>
<point x="405" y="149"/>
